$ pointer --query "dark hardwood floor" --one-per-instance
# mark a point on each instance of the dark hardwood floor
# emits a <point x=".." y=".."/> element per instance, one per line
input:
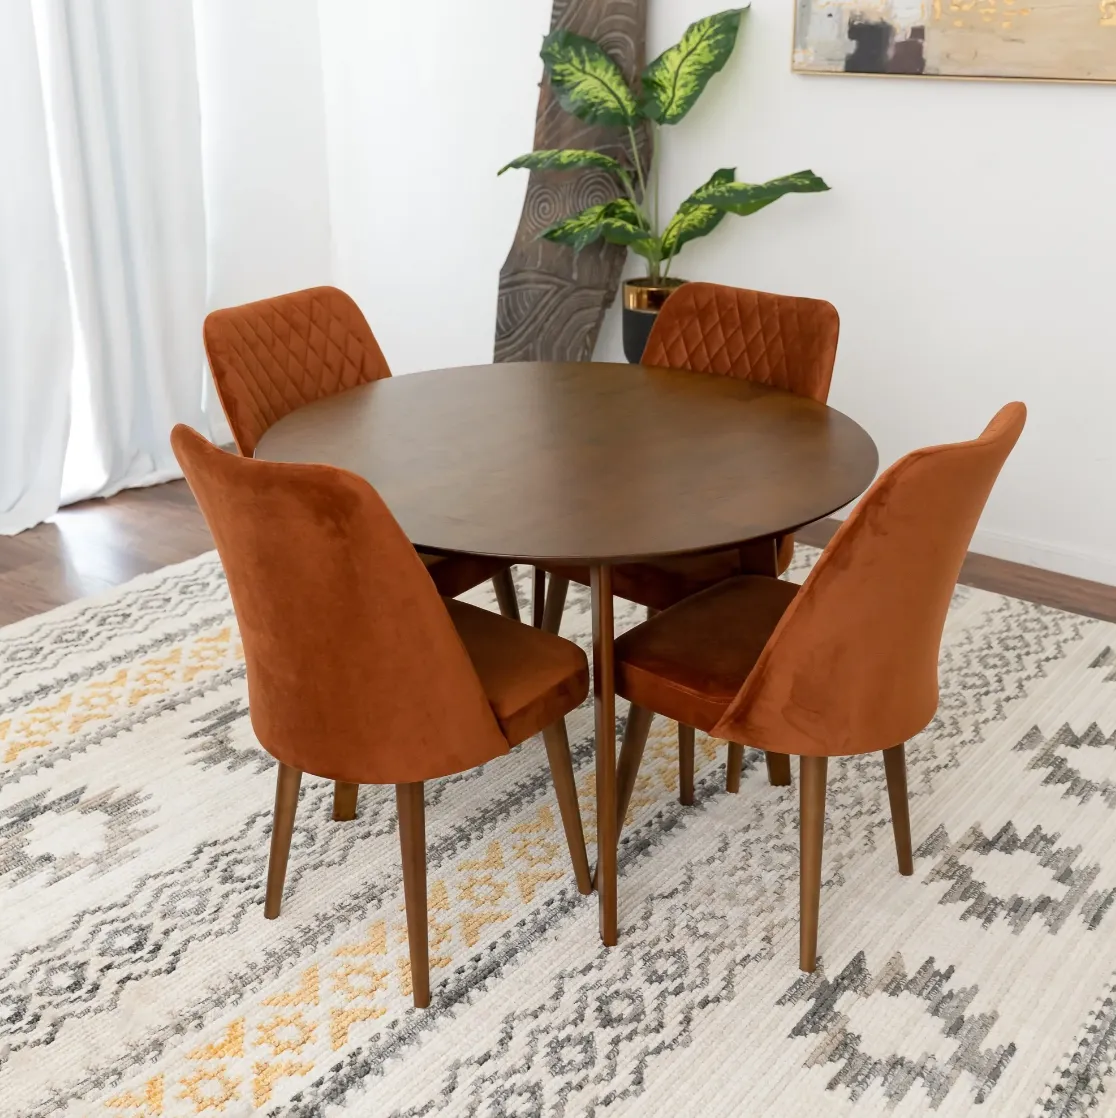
<point x="96" y="545"/>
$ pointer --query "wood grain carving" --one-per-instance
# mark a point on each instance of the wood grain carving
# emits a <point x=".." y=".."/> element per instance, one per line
<point x="551" y="301"/>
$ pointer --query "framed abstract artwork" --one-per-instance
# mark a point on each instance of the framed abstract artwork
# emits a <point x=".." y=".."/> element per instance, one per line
<point x="1053" y="40"/>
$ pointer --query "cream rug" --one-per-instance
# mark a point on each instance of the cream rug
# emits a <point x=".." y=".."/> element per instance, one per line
<point x="138" y="976"/>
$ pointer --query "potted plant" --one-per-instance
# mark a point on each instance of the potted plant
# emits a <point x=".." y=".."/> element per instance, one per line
<point x="589" y="84"/>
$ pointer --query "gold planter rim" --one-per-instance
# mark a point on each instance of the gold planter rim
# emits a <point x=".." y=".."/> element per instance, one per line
<point x="646" y="294"/>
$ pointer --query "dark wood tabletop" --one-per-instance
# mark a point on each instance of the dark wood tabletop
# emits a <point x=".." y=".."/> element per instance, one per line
<point x="585" y="462"/>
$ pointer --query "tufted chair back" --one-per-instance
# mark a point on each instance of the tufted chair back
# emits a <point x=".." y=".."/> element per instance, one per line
<point x="271" y="357"/>
<point x="781" y="340"/>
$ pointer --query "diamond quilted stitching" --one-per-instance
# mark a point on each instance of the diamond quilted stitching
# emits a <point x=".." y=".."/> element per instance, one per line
<point x="271" y="357"/>
<point x="781" y="340"/>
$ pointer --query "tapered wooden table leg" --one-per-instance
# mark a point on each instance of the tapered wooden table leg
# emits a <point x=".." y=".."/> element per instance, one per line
<point x="538" y="598"/>
<point x="604" y="701"/>
<point x="760" y="557"/>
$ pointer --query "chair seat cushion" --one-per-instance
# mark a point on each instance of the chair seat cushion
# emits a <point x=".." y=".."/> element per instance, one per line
<point x="454" y="574"/>
<point x="688" y="662"/>
<point x="662" y="583"/>
<point x="531" y="678"/>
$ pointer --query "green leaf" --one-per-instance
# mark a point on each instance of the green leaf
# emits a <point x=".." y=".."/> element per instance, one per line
<point x="693" y="218"/>
<point x="650" y="249"/>
<point x="586" y="80"/>
<point x="568" y="160"/>
<point x="618" y="222"/>
<point x="621" y="224"/>
<point x="704" y="210"/>
<point x="678" y="77"/>
<point x="578" y="231"/>
<point x="746" y="198"/>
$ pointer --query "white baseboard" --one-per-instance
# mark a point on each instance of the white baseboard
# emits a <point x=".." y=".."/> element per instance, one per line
<point x="1031" y="553"/>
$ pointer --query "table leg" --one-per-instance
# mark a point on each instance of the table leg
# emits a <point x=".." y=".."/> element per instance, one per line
<point x="760" y="557"/>
<point x="538" y="599"/>
<point x="604" y="702"/>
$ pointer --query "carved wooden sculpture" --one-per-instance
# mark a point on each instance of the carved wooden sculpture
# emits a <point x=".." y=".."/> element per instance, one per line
<point x="551" y="301"/>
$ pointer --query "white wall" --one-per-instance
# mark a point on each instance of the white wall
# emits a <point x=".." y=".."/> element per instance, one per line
<point x="968" y="243"/>
<point x="264" y="159"/>
<point x="422" y="114"/>
<point x="264" y="147"/>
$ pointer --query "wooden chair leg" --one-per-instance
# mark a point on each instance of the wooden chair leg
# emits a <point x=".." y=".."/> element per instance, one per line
<point x="895" y="766"/>
<point x="778" y="769"/>
<point x="411" y="807"/>
<point x="344" y="801"/>
<point x="735" y="767"/>
<point x="685" y="764"/>
<point x="812" y="777"/>
<point x="287" y="783"/>
<point x="562" y="773"/>
<point x="506" y="598"/>
<point x="636" y="730"/>
<point x="555" y="603"/>
<point x="538" y="598"/>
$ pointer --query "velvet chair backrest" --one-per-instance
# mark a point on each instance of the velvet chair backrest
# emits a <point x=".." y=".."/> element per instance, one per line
<point x="780" y="340"/>
<point x="355" y="670"/>
<point x="271" y="357"/>
<point x="852" y="666"/>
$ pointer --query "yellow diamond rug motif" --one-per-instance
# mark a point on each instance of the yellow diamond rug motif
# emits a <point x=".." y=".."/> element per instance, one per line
<point x="306" y="994"/>
<point x="289" y="1033"/>
<point x="230" y="1045"/>
<point x="265" y="1076"/>
<point x="145" y="1104"/>
<point x="341" y="1020"/>
<point x="209" y="1089"/>
<point x="374" y="944"/>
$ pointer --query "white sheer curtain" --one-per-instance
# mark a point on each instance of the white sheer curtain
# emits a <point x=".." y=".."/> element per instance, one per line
<point x="35" y="336"/>
<point x="122" y="122"/>
<point x="124" y="104"/>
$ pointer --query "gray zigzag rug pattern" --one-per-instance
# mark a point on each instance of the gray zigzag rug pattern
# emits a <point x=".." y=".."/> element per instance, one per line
<point x="138" y="976"/>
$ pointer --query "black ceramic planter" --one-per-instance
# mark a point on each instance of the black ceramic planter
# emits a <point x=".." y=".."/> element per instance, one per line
<point x="643" y="299"/>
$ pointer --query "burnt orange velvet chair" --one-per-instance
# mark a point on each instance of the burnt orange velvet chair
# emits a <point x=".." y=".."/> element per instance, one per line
<point x="848" y="664"/>
<point x="358" y="671"/>
<point x="274" y="356"/>
<point x="780" y="340"/>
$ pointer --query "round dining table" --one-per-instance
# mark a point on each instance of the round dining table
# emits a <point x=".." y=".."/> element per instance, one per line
<point x="589" y="464"/>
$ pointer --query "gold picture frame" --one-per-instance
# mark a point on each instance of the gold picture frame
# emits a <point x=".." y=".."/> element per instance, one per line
<point x="1070" y="41"/>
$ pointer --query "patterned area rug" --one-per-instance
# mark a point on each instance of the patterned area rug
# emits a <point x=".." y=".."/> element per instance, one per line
<point x="138" y="976"/>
